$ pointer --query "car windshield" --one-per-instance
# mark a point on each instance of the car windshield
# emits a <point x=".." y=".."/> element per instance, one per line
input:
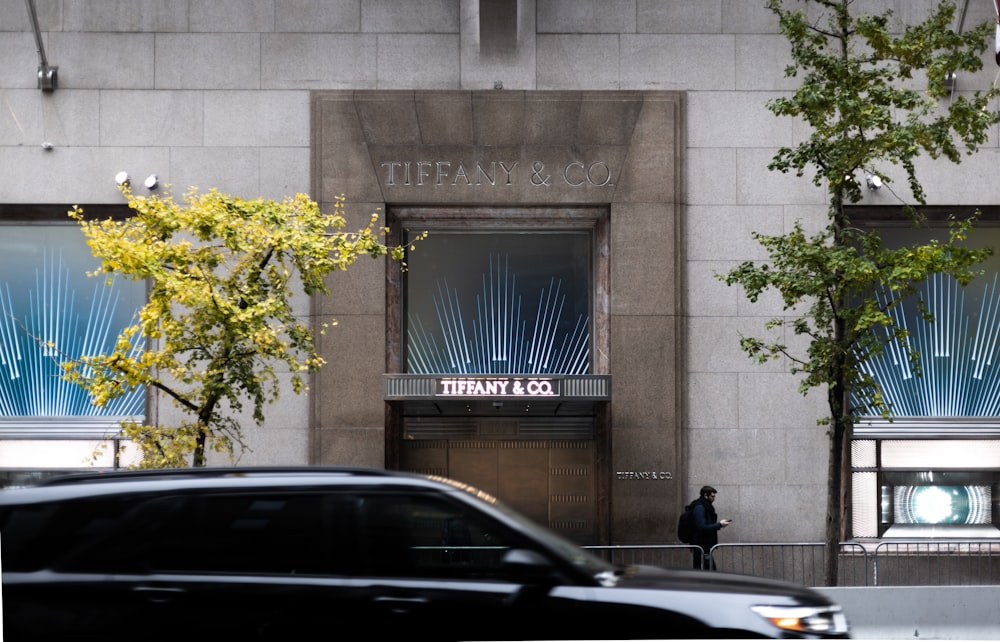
<point x="564" y="548"/>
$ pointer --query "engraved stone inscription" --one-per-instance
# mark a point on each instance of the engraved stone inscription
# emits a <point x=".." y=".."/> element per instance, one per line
<point x="644" y="475"/>
<point x="446" y="173"/>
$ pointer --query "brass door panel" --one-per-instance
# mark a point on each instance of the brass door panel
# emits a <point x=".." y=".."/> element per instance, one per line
<point x="550" y="481"/>
<point x="524" y="477"/>
<point x="572" y="489"/>
<point x="426" y="456"/>
<point x="475" y="462"/>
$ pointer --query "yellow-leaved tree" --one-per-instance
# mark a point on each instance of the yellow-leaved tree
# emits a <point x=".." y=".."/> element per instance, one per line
<point x="221" y="273"/>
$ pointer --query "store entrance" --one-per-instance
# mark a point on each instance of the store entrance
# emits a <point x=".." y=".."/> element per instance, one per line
<point x="526" y="464"/>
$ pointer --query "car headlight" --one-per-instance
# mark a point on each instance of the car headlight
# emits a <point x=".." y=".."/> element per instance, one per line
<point x="825" y="620"/>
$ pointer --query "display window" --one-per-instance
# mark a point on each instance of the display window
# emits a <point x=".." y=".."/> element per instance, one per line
<point x="52" y="310"/>
<point x="499" y="300"/>
<point x="933" y="470"/>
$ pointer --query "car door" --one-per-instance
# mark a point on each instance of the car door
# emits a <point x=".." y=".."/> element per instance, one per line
<point x="54" y="574"/>
<point x="436" y="565"/>
<point x="257" y="564"/>
<point x="268" y="564"/>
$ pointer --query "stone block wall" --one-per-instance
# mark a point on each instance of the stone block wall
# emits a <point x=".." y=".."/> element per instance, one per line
<point x="216" y="93"/>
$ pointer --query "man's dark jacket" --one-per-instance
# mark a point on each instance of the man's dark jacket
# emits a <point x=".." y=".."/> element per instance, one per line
<point x="706" y="524"/>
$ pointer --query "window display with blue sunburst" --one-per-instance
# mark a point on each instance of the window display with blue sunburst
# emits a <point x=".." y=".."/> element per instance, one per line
<point x="958" y="344"/>
<point x="932" y="470"/>
<point x="50" y="311"/>
<point x="499" y="302"/>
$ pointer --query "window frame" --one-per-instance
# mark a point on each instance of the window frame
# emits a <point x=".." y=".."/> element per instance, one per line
<point x="30" y="437"/>
<point x="405" y="221"/>
<point x="870" y="479"/>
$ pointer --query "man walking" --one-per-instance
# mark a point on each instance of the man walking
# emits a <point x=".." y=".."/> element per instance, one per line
<point x="706" y="528"/>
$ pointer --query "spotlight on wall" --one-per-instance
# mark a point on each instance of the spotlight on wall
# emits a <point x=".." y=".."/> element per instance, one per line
<point x="874" y="181"/>
<point x="47" y="77"/>
<point x="122" y="178"/>
<point x="151" y="182"/>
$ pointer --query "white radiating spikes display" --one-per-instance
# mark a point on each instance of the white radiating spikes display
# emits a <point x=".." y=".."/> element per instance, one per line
<point x="957" y="351"/>
<point x="492" y="336"/>
<point x="35" y="339"/>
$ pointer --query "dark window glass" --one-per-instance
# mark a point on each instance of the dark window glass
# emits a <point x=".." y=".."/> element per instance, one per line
<point x="250" y="533"/>
<point x="499" y="302"/>
<point x="62" y="535"/>
<point x="426" y="536"/>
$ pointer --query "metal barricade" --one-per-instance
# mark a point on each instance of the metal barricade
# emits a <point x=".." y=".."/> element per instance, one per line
<point x="799" y="562"/>
<point x="937" y="563"/>
<point x="664" y="555"/>
<point x="886" y="563"/>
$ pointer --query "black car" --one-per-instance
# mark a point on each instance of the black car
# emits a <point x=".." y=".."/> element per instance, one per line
<point x="272" y="553"/>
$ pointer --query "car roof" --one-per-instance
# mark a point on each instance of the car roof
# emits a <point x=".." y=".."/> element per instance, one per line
<point x="204" y="472"/>
<point x="79" y="485"/>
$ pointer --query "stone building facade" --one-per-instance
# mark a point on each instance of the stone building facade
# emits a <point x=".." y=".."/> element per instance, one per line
<point x="641" y="122"/>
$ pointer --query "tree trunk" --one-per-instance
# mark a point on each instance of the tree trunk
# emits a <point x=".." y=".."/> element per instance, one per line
<point x="834" y="503"/>
<point x="198" y="456"/>
<point x="838" y="398"/>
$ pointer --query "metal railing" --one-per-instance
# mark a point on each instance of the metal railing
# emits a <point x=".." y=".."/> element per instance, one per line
<point x="937" y="563"/>
<point x="664" y="556"/>
<point x="802" y="563"/>
<point x="799" y="562"/>
<point x="887" y="563"/>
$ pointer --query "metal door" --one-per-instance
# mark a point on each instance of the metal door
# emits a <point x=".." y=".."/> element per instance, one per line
<point x="551" y="481"/>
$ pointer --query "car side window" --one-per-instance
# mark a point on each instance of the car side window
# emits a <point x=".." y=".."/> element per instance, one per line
<point x="252" y="533"/>
<point x="62" y="534"/>
<point x="414" y="535"/>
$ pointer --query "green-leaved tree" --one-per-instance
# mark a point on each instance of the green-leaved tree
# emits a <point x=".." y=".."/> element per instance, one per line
<point x="867" y="114"/>
<point x="221" y="274"/>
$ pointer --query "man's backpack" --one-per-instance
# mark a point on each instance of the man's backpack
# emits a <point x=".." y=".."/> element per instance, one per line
<point x="685" y="525"/>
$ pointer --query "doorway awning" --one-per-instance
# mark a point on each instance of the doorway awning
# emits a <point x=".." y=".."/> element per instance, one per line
<point x="489" y="393"/>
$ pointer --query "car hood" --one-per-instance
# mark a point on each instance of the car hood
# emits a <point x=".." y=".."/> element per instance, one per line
<point x="718" y="582"/>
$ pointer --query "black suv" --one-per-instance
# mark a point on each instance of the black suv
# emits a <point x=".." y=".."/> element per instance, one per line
<point x="269" y="553"/>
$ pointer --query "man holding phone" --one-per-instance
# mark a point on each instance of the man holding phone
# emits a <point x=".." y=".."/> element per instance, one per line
<point x="706" y="528"/>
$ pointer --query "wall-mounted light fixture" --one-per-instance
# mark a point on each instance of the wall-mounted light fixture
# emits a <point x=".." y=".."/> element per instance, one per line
<point x="121" y="178"/>
<point x="47" y="77"/>
<point x="47" y="74"/>
<point x="874" y="181"/>
<point x="151" y="182"/>
<point x="950" y="82"/>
